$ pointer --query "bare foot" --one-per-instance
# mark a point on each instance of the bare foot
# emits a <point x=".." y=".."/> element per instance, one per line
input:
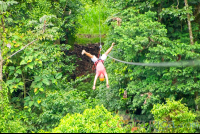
<point x="83" y="51"/>
<point x="107" y="86"/>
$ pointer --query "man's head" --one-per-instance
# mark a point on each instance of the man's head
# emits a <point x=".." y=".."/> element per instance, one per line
<point x="101" y="77"/>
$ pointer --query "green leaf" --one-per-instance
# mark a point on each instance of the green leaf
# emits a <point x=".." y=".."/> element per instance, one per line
<point x="36" y="104"/>
<point x="54" y="80"/>
<point x="19" y="71"/>
<point x="21" y="83"/>
<point x="58" y="76"/>
<point x="39" y="85"/>
<point x="31" y="103"/>
<point x="12" y="90"/>
<point x="11" y="72"/>
<point x="23" y="62"/>
<point x="31" y="65"/>
<point x="11" y="68"/>
<point x="8" y="82"/>
<point x="41" y="89"/>
<point x="46" y="81"/>
<point x="38" y="78"/>
<point x="40" y="62"/>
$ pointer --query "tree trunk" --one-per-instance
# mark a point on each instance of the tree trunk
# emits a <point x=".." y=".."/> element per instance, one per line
<point x="1" y="79"/>
<point x="189" y="24"/>
<point x="1" y="58"/>
<point x="191" y="42"/>
<point x="159" y="10"/>
<point x="1" y="74"/>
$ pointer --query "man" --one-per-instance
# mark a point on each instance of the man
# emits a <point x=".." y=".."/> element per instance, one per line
<point x="100" y="69"/>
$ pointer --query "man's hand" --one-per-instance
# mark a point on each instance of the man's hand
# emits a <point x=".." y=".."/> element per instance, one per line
<point x="113" y="44"/>
<point x="93" y="87"/>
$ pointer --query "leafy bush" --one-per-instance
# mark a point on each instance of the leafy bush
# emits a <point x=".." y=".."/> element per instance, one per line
<point x="141" y="38"/>
<point x="55" y="106"/>
<point x="173" y="117"/>
<point x="11" y="124"/>
<point x="9" y="121"/>
<point x="91" y="121"/>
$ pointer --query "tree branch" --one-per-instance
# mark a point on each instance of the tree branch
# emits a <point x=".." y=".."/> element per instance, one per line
<point x="177" y="4"/>
<point x="22" y="48"/>
<point x="28" y="80"/>
<point x="198" y="11"/>
<point x="28" y="43"/>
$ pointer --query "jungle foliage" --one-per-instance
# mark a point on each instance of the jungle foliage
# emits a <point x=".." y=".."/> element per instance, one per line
<point x="91" y="121"/>
<point x="38" y="93"/>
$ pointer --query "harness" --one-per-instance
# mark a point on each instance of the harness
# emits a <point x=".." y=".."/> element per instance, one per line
<point x="99" y="60"/>
<point x="95" y="64"/>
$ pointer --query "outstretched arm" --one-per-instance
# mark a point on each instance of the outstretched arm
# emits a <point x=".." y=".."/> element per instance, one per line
<point x="108" y="51"/>
<point x="95" y="80"/>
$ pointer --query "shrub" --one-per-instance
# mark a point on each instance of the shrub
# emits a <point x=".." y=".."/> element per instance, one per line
<point x="9" y="120"/>
<point x="173" y="117"/>
<point x="97" y="120"/>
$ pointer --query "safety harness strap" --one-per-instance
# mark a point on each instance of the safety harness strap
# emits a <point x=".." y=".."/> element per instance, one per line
<point x="95" y="64"/>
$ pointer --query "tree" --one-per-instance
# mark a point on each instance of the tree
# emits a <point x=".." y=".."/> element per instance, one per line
<point x="91" y="121"/>
<point x="29" y="73"/>
<point x="18" y="69"/>
<point x="10" y="122"/>
<point x="4" y="6"/>
<point x="141" y="38"/>
<point x="173" y="117"/>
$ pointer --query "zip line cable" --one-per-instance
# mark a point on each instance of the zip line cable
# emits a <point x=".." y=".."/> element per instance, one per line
<point x="100" y="31"/>
<point x="161" y="64"/>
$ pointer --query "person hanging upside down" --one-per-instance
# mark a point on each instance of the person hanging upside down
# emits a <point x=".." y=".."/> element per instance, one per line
<point x="100" y="69"/>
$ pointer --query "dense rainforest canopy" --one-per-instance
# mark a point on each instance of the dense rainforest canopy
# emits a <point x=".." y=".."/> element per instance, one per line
<point x="40" y="93"/>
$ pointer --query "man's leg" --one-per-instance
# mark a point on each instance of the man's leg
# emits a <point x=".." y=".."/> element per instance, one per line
<point x="88" y="54"/>
<point x="107" y="84"/>
<point x="109" y="49"/>
<point x="95" y="80"/>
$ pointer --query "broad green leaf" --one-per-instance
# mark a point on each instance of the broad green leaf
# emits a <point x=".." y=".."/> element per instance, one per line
<point x="19" y="71"/>
<point x="58" y="76"/>
<point x="11" y="68"/>
<point x="37" y="78"/>
<point x="21" y="83"/>
<point x="11" y="90"/>
<point x="40" y="62"/>
<point x="29" y="61"/>
<point x="31" y="103"/>
<point x="25" y="106"/>
<point x="54" y="80"/>
<point x="38" y="85"/>
<point x="36" y="104"/>
<point x="23" y="62"/>
<point x="8" y="82"/>
<point x="30" y="65"/>
<point x="41" y="89"/>
<point x="46" y="81"/>
<point x="11" y="72"/>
